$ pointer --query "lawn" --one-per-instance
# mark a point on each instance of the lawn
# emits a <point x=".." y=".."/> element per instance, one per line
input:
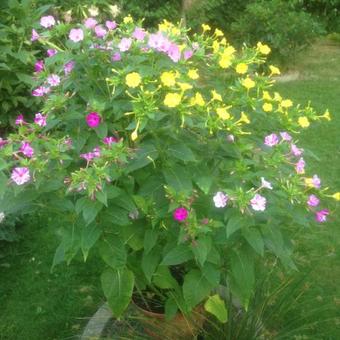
<point x="37" y="304"/>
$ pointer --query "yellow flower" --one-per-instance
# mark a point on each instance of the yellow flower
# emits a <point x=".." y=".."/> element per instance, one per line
<point x="215" y="46"/>
<point x="274" y="70"/>
<point x="168" y="78"/>
<point x="309" y="182"/>
<point x="225" y="61"/>
<point x="133" y="79"/>
<point x="229" y="51"/>
<point x="336" y="196"/>
<point x="244" y="119"/>
<point x="216" y="96"/>
<point x="326" y="115"/>
<point x="267" y="107"/>
<point x="175" y="31"/>
<point x="172" y="99"/>
<point x="206" y="27"/>
<point x="303" y="122"/>
<point x="263" y="48"/>
<point x="224" y="41"/>
<point x="277" y="97"/>
<point x="198" y="100"/>
<point x="164" y="25"/>
<point x="248" y="83"/>
<point x="193" y="74"/>
<point x="241" y="68"/>
<point x="218" y="33"/>
<point x="134" y="134"/>
<point x="128" y="19"/>
<point x="184" y="86"/>
<point x="266" y="95"/>
<point x="223" y="113"/>
<point x="286" y="103"/>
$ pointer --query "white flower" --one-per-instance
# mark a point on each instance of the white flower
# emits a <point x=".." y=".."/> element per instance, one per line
<point x="266" y="184"/>
<point x="220" y="199"/>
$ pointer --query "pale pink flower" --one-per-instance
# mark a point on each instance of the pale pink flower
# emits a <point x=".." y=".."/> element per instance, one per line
<point x="96" y="152"/>
<point x="35" y="35"/>
<point x="125" y="44"/>
<point x="20" y="120"/>
<point x="313" y="201"/>
<point x="47" y="21"/>
<point x="87" y="156"/>
<point x="39" y="66"/>
<point x="258" y="202"/>
<point x="295" y="150"/>
<point x="40" y="91"/>
<point x="285" y="136"/>
<point x="90" y="23"/>
<point x="187" y="54"/>
<point x="300" y="166"/>
<point x="26" y="149"/>
<point x="174" y="53"/>
<point x="20" y="175"/>
<point x="100" y="31"/>
<point x="139" y="34"/>
<point x="116" y="57"/>
<point x="316" y="181"/>
<point x="51" y="52"/>
<point x="266" y="184"/>
<point x="76" y="34"/>
<point x="271" y="140"/>
<point x="40" y="119"/>
<point x="110" y="140"/>
<point x="68" y="67"/>
<point x="53" y="80"/>
<point x="111" y="25"/>
<point x="220" y="199"/>
<point x="159" y="42"/>
<point x="321" y="216"/>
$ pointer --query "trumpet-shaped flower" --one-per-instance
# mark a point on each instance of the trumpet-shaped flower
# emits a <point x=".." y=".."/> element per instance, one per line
<point x="53" y="80"/>
<point x="313" y="201"/>
<point x="76" y="35"/>
<point x="40" y="119"/>
<point x="180" y="214"/>
<point x="133" y="79"/>
<point x="258" y="203"/>
<point x="271" y="140"/>
<point x="125" y="44"/>
<point x="321" y="215"/>
<point x="220" y="199"/>
<point x="93" y="119"/>
<point x="26" y="149"/>
<point x="47" y="21"/>
<point x="172" y="99"/>
<point x="20" y="175"/>
<point x="300" y="166"/>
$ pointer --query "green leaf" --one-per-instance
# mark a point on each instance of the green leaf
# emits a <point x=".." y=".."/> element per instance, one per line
<point x="101" y="196"/>
<point x="204" y="183"/>
<point x="101" y="130"/>
<point x="182" y="152"/>
<point x="150" y="262"/>
<point x="144" y="156"/>
<point x="234" y="223"/>
<point x="177" y="255"/>
<point x="170" y="308"/>
<point x="254" y="238"/>
<point x="91" y="210"/>
<point x="178" y="178"/>
<point x="163" y="278"/>
<point x="89" y="237"/>
<point x="212" y="274"/>
<point x="113" y="252"/>
<point x="150" y="239"/>
<point x="118" y="286"/>
<point x="201" y="249"/>
<point x="3" y="184"/>
<point x="195" y="288"/>
<point x="216" y="306"/>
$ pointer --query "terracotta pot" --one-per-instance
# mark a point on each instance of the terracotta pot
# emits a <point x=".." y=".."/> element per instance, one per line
<point x="179" y="327"/>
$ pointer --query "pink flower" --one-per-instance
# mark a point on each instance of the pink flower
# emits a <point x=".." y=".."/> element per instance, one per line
<point x="286" y="136"/>
<point x="68" y="67"/>
<point x="300" y="166"/>
<point x="110" y="140"/>
<point x="39" y="66"/>
<point x="20" y="120"/>
<point x="47" y="21"/>
<point x="258" y="202"/>
<point x="87" y="156"/>
<point x="139" y="34"/>
<point x="90" y="23"/>
<point x="51" y="52"/>
<point x="26" y="149"/>
<point x="271" y="140"/>
<point x="321" y="215"/>
<point x="188" y="54"/>
<point x="125" y="44"/>
<point x="266" y="184"/>
<point x="316" y="181"/>
<point x="40" y="91"/>
<point x="3" y="142"/>
<point x="313" y="201"/>
<point x="159" y="42"/>
<point x="20" y="175"/>
<point x="40" y="119"/>
<point x="76" y="35"/>
<point x="96" y="152"/>
<point x="35" y="36"/>
<point x="53" y="80"/>
<point x="180" y="214"/>
<point x="93" y="119"/>
<point x="116" y="57"/>
<point x="220" y="199"/>
<point x="174" y="53"/>
<point x="111" y="25"/>
<point x="295" y="150"/>
<point x="100" y="31"/>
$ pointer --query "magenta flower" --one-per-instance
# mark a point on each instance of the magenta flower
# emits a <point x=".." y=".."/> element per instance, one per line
<point x="40" y="91"/>
<point x="180" y="214"/>
<point x="300" y="166"/>
<point x="116" y="57"/>
<point x="20" y="175"/>
<point x="271" y="140"/>
<point x="313" y="201"/>
<point x="51" y="52"/>
<point x="111" y="25"/>
<point x="20" y="120"/>
<point x="76" y="35"/>
<point x="110" y="140"/>
<point x="39" y="66"/>
<point x="47" y="21"/>
<point x="40" y="119"/>
<point x="3" y="142"/>
<point x="139" y="34"/>
<point x="87" y="156"/>
<point x="26" y="149"/>
<point x="100" y="31"/>
<point x="285" y="136"/>
<point x="316" y="181"/>
<point x="93" y="119"/>
<point x="220" y="199"/>
<point x="258" y="202"/>
<point x="53" y="80"/>
<point x="125" y="44"/>
<point x="68" y="67"/>
<point x="295" y="150"/>
<point x="35" y="35"/>
<point x="90" y="23"/>
<point x="321" y="215"/>
<point x="174" y="53"/>
<point x="266" y="184"/>
<point x="96" y="152"/>
<point x="187" y="54"/>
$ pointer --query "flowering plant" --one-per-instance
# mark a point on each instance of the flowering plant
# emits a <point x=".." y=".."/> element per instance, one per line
<point x="163" y="152"/>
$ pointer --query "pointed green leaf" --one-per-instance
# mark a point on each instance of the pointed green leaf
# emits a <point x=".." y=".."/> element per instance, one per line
<point x="150" y="262"/>
<point x="254" y="238"/>
<point x="150" y="239"/>
<point x="113" y="252"/>
<point x="89" y="237"/>
<point x="216" y="306"/>
<point x="182" y="152"/>
<point x="178" y="178"/>
<point x="177" y="255"/>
